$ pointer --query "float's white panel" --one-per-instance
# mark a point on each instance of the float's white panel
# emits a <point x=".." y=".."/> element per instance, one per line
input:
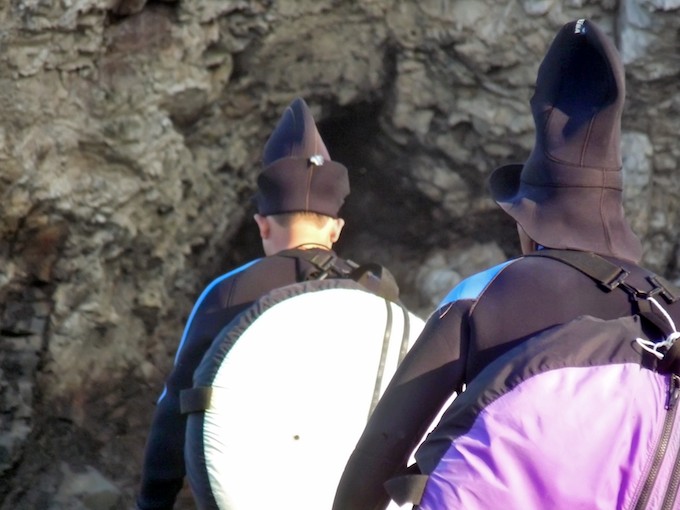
<point x="293" y="395"/>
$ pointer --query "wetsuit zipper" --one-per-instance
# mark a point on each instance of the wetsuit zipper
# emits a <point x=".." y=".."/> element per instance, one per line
<point x="674" y="483"/>
<point x="673" y="393"/>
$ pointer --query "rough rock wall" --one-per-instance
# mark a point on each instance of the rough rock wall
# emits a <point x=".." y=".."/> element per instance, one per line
<point x="130" y="133"/>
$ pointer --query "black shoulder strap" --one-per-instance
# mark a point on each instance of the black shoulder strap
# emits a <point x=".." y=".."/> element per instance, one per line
<point x="195" y="399"/>
<point x="324" y="264"/>
<point x="611" y="276"/>
<point x="407" y="487"/>
<point x="374" y="277"/>
<point x="377" y="279"/>
<point x="605" y="273"/>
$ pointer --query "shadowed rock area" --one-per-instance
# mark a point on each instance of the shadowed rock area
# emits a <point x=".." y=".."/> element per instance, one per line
<point x="130" y="138"/>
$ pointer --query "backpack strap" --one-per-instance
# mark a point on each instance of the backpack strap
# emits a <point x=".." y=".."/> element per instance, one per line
<point x="407" y="487"/>
<point x="611" y="276"/>
<point x="377" y="279"/>
<point x="374" y="277"/>
<point x="605" y="273"/>
<point x="324" y="264"/>
<point x="192" y="400"/>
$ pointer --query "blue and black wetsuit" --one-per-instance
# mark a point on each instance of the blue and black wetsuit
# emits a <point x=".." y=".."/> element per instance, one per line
<point x="221" y="301"/>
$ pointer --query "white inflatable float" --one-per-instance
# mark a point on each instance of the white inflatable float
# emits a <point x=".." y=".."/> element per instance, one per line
<point x="282" y="396"/>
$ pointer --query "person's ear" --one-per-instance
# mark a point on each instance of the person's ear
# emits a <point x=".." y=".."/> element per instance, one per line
<point x="338" y="223"/>
<point x="262" y="225"/>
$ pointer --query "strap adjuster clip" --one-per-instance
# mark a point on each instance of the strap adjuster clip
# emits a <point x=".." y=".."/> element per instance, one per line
<point x="617" y="280"/>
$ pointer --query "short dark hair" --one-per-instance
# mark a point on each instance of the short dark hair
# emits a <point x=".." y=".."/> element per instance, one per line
<point x="287" y="219"/>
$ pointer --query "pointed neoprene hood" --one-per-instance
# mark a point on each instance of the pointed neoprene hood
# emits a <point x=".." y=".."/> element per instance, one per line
<point x="569" y="193"/>
<point x="298" y="173"/>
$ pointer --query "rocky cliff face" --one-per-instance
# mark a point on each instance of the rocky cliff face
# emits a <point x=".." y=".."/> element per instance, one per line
<point x="130" y="134"/>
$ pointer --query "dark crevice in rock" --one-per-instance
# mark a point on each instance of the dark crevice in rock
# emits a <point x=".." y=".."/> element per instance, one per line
<point x="24" y="314"/>
<point x="243" y="67"/>
<point x="495" y="226"/>
<point x="243" y="246"/>
<point x="128" y="8"/>
<point x="382" y="202"/>
<point x="185" y="109"/>
<point x="125" y="8"/>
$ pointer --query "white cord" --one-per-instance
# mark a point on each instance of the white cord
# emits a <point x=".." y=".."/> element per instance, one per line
<point x="654" y="347"/>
